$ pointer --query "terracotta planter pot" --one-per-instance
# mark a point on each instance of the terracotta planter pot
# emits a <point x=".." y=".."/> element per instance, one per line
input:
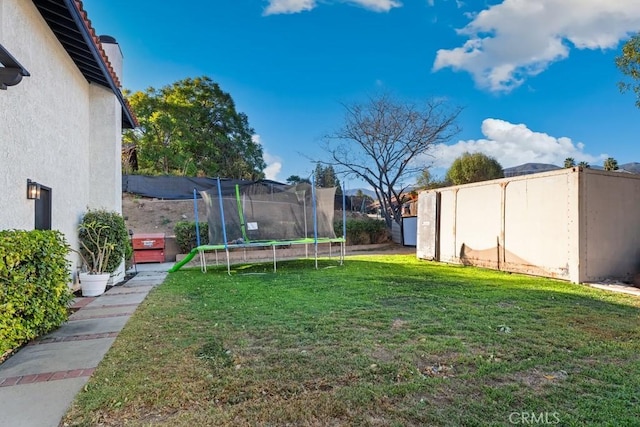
<point x="93" y="285"/>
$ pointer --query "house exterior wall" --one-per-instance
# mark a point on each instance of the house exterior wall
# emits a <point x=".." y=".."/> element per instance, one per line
<point x="571" y="224"/>
<point x="56" y="128"/>
<point x="105" y="147"/>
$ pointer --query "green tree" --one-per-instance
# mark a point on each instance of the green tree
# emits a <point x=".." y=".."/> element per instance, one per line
<point x="295" y="179"/>
<point x="426" y="182"/>
<point x="381" y="140"/>
<point x="569" y="162"/>
<point x="584" y="165"/>
<point x="191" y="127"/>
<point x="325" y="177"/>
<point x="610" y="164"/>
<point x="629" y="64"/>
<point x="474" y="168"/>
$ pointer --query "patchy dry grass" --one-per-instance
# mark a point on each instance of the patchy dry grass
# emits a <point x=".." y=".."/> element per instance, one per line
<point x="381" y="341"/>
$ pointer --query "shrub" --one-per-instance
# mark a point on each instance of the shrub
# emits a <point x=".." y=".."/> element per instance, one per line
<point x="113" y="233"/>
<point x="363" y="231"/>
<point x="34" y="285"/>
<point x="186" y="235"/>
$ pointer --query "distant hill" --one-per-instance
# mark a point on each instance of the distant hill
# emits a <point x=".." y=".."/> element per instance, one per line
<point x="633" y="167"/>
<point x="529" y="168"/>
<point x="366" y="191"/>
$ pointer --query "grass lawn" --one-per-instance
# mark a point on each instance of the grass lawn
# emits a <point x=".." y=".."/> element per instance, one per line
<point x="380" y="341"/>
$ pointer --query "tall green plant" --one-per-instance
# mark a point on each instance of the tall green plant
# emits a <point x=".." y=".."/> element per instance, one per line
<point x="104" y="240"/>
<point x="186" y="236"/>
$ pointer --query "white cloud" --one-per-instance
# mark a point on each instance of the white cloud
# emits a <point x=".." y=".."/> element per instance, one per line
<point x="276" y="7"/>
<point x="274" y="163"/>
<point x="289" y="6"/>
<point x="514" y="144"/>
<point x="274" y="166"/>
<point x="516" y="39"/>
<point x="376" y="5"/>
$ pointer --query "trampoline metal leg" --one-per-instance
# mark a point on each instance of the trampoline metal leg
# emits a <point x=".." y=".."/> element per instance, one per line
<point x="228" y="263"/>
<point x="274" y="258"/>
<point x="203" y="261"/>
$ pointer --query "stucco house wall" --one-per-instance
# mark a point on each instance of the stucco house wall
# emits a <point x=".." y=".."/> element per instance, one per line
<point x="58" y="129"/>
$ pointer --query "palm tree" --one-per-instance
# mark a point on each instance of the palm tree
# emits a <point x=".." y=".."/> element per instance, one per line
<point x="610" y="164"/>
<point x="584" y="164"/>
<point x="569" y="162"/>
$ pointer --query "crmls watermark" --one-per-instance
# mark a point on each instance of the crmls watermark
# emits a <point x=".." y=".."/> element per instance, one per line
<point x="534" y="418"/>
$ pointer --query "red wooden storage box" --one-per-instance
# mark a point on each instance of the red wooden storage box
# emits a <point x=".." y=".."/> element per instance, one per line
<point x="148" y="247"/>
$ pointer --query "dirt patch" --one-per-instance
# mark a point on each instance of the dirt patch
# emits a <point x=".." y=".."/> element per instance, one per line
<point x="398" y="323"/>
<point x="144" y="215"/>
<point x="533" y="379"/>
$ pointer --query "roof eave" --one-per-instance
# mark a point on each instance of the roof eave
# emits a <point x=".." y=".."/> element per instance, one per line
<point x="128" y="119"/>
<point x="98" y="70"/>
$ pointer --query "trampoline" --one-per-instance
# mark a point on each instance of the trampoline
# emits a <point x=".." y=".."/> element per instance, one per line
<point x="264" y="214"/>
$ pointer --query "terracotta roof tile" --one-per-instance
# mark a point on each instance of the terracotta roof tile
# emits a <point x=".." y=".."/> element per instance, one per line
<point x="96" y="41"/>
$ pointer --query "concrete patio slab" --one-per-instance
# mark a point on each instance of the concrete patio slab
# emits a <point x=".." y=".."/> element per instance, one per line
<point x="151" y="267"/>
<point x="40" y="404"/>
<point x="135" y="288"/>
<point x="57" y="356"/>
<point x="140" y="283"/>
<point x="109" y="299"/>
<point x="88" y="327"/>
<point x="99" y="312"/>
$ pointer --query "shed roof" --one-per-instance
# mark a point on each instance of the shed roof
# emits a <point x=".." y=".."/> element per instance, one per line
<point x="71" y="26"/>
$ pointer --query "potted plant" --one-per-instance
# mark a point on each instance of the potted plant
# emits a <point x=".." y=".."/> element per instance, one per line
<point x="103" y="243"/>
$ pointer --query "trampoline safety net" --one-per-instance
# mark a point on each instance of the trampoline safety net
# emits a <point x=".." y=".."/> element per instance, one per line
<point x="259" y="212"/>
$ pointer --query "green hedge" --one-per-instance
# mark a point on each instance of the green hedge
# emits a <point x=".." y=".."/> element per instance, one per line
<point x="363" y="231"/>
<point x="117" y="234"/>
<point x="34" y="285"/>
<point x="186" y="235"/>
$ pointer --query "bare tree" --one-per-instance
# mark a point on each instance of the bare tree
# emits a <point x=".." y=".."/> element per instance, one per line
<point x="381" y="140"/>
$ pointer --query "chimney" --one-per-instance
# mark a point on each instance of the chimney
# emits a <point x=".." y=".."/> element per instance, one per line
<point x="114" y="54"/>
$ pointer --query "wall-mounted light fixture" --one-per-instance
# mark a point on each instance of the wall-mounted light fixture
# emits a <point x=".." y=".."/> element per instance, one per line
<point x="33" y="190"/>
<point x="11" y="71"/>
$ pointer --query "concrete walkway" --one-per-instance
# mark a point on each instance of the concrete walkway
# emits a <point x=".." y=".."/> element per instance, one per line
<point x="39" y="382"/>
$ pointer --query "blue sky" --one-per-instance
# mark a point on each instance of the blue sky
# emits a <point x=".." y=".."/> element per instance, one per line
<point x="537" y="79"/>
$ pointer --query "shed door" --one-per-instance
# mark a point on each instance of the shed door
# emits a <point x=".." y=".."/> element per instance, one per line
<point x="428" y="226"/>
